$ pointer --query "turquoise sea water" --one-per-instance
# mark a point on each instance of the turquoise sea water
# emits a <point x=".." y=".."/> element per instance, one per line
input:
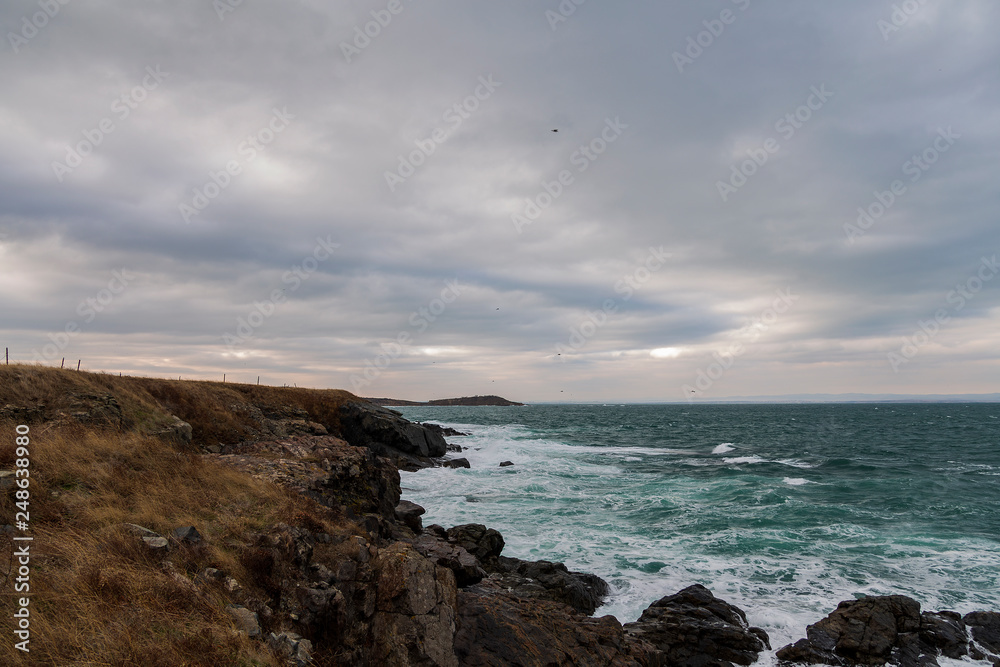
<point x="783" y="510"/>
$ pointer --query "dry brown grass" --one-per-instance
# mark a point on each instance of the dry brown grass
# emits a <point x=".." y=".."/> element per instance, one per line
<point x="147" y="403"/>
<point x="98" y="596"/>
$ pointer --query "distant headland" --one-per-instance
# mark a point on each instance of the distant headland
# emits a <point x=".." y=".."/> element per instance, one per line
<point x="465" y="400"/>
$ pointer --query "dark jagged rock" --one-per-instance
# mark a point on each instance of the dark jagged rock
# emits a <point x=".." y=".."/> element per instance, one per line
<point x="188" y="534"/>
<point x="414" y="622"/>
<point x="693" y="628"/>
<point x="985" y="628"/>
<point x="443" y="430"/>
<point x="890" y="629"/>
<point x="464" y="565"/>
<point x="437" y="531"/>
<point x="31" y="414"/>
<point x="858" y="632"/>
<point x="504" y="464"/>
<point x="178" y="431"/>
<point x="386" y="432"/>
<point x="493" y="628"/>
<point x="457" y="463"/>
<point x="324" y="468"/>
<point x="410" y="513"/>
<point x="95" y="409"/>
<point x="482" y="542"/>
<point x="529" y="579"/>
<point x="945" y="633"/>
<point x="551" y="581"/>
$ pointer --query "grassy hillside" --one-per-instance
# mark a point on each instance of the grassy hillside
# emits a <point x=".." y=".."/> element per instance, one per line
<point x="99" y="595"/>
<point x="147" y="403"/>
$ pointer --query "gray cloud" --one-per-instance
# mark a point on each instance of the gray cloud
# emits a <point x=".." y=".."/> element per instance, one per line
<point x="323" y="176"/>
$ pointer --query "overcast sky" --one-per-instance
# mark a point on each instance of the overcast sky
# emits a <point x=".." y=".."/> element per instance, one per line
<point x="371" y="195"/>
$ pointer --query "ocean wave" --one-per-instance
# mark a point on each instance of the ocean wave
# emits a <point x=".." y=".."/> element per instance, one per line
<point x="795" y="463"/>
<point x="795" y="481"/>
<point x="745" y="459"/>
<point x="753" y="459"/>
<point x="723" y="448"/>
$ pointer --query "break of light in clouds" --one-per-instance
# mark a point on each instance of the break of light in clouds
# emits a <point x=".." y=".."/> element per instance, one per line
<point x="262" y="188"/>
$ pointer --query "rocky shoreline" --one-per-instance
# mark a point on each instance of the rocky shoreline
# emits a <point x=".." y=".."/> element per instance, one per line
<point x="387" y="590"/>
<point x="455" y="599"/>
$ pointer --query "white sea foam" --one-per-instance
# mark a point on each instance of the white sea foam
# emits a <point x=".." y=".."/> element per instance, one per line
<point x="723" y="448"/>
<point x="795" y="463"/>
<point x="745" y="459"/>
<point x="632" y="528"/>
<point x="753" y="458"/>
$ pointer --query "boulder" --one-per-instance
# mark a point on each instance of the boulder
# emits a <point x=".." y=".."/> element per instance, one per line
<point x="292" y="647"/>
<point x="177" y="431"/>
<point x="157" y="545"/>
<point x="23" y="414"/>
<point x="890" y="629"/>
<point x="414" y="622"/>
<point x="494" y="627"/>
<point x="91" y="409"/>
<point x="245" y="620"/>
<point x="457" y="463"/>
<point x="364" y="424"/>
<point x="323" y="468"/>
<point x="482" y="542"/>
<point x="443" y="430"/>
<point x="409" y="513"/>
<point x="693" y="628"/>
<point x="985" y="628"/>
<point x="551" y="581"/>
<point x="945" y="633"/>
<point x="187" y="534"/>
<point x="464" y="566"/>
<point x="155" y="542"/>
<point x="504" y="464"/>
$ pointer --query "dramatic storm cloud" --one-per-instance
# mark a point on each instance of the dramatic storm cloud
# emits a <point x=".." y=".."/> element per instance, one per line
<point x="573" y="200"/>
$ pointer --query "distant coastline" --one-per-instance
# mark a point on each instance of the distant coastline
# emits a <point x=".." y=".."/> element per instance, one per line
<point x="464" y="401"/>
